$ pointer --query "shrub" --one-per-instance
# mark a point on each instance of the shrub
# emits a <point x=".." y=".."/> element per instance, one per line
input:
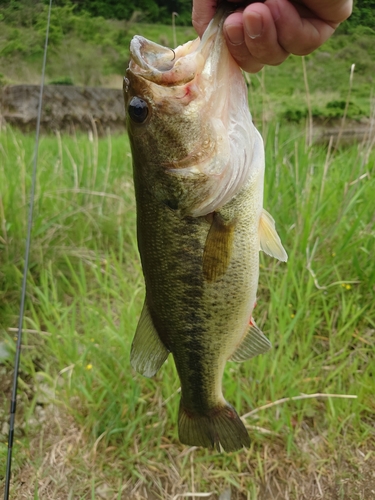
<point x="294" y="114"/>
<point x="64" y="80"/>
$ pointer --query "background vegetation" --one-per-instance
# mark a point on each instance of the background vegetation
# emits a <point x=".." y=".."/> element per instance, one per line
<point x="159" y="11"/>
<point x="93" y="51"/>
<point x="112" y="429"/>
<point x="90" y="428"/>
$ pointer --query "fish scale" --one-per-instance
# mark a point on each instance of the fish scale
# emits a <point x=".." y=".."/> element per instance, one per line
<point x="198" y="166"/>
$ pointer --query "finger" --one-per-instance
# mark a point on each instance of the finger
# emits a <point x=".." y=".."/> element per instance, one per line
<point x="299" y="31"/>
<point x="252" y="38"/>
<point x="333" y="12"/>
<point x="203" y="12"/>
<point x="234" y="34"/>
<point x="261" y="36"/>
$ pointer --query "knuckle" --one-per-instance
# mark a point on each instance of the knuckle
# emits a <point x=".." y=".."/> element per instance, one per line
<point x="277" y="62"/>
<point x="304" y="50"/>
<point x="247" y="62"/>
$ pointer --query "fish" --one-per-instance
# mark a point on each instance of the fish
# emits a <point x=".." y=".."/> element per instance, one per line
<point x="198" y="169"/>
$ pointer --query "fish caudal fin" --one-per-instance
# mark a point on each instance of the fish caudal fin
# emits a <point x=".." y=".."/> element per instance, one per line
<point x="220" y="427"/>
<point x="148" y="352"/>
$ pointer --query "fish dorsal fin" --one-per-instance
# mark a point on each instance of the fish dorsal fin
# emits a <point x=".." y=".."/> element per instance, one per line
<point x="148" y="352"/>
<point x="218" y="248"/>
<point x="254" y="343"/>
<point x="270" y="241"/>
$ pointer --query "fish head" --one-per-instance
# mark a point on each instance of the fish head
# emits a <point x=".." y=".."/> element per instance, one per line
<point x="187" y="116"/>
<point x="160" y="93"/>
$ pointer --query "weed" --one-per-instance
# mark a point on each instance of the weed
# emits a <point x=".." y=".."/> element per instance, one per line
<point x="103" y="430"/>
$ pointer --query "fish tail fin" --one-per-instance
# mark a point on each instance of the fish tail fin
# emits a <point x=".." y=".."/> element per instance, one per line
<point x="221" y="426"/>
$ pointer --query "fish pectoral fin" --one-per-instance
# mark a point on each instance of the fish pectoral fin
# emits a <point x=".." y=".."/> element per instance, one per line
<point x="148" y="352"/>
<point x="254" y="343"/>
<point x="218" y="248"/>
<point x="270" y="241"/>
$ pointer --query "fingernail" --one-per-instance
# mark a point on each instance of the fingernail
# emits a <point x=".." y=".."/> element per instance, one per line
<point x="253" y="24"/>
<point x="234" y="33"/>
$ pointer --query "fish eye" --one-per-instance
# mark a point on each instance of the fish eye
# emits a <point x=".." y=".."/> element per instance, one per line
<point x="138" y="110"/>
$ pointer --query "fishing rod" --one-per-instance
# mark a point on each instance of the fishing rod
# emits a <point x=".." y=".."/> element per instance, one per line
<point x="13" y="404"/>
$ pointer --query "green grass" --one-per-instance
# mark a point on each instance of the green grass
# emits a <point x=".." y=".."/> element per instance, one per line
<point x="116" y="431"/>
<point x="87" y="51"/>
<point x="91" y="51"/>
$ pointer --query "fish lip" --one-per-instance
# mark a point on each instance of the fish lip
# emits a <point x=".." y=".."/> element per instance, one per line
<point x="159" y="64"/>
<point x="142" y="50"/>
<point x="168" y="67"/>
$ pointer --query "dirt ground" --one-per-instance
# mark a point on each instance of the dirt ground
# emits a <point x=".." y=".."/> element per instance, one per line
<point x="63" y="463"/>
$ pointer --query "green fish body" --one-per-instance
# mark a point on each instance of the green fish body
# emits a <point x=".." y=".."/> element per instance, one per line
<point x="198" y="165"/>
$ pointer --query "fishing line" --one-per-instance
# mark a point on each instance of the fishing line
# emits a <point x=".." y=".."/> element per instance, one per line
<point x="13" y="404"/>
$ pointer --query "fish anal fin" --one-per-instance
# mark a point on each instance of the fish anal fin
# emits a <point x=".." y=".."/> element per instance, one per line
<point x="218" y="248"/>
<point x="220" y="427"/>
<point x="270" y="241"/>
<point x="254" y="343"/>
<point x="148" y="352"/>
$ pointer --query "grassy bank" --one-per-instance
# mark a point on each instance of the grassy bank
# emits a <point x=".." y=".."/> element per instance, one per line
<point x="88" y="427"/>
<point x="91" y="51"/>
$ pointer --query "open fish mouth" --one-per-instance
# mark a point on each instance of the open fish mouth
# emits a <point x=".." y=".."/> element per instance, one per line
<point x="196" y="121"/>
<point x="168" y="67"/>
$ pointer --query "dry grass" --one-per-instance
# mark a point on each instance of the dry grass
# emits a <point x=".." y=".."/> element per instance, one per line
<point x="72" y="467"/>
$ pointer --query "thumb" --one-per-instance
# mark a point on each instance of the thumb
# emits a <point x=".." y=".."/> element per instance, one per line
<point x="203" y="12"/>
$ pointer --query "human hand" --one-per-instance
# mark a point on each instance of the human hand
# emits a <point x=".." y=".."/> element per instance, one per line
<point x="266" y="33"/>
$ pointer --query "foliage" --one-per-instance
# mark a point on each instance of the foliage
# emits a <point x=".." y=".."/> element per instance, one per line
<point x="95" y="51"/>
<point x="25" y="11"/>
<point x="152" y="10"/>
<point x="363" y="14"/>
<point x="85" y="291"/>
<point x="64" y="80"/>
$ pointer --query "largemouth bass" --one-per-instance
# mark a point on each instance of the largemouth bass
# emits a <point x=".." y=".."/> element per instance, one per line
<point x="198" y="164"/>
